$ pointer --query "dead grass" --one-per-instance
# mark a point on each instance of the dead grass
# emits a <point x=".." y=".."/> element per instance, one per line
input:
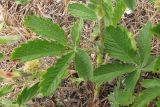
<point x="68" y="94"/>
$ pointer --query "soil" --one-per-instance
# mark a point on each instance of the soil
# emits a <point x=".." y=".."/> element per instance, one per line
<point x="69" y="93"/>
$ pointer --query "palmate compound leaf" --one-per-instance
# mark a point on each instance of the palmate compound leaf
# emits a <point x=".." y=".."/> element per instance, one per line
<point x="144" y="44"/>
<point x="54" y="75"/>
<point x="108" y="72"/>
<point x="131" y="4"/>
<point x="118" y="44"/>
<point x="45" y="28"/>
<point x="146" y="96"/>
<point x="27" y="94"/>
<point x="36" y="49"/>
<point x="81" y="11"/>
<point x="83" y="65"/>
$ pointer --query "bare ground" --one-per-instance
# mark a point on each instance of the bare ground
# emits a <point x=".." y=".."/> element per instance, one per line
<point x="69" y="94"/>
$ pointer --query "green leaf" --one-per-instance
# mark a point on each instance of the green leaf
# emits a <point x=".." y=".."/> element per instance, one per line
<point x="152" y="65"/>
<point x="152" y="1"/>
<point x="107" y="5"/>
<point x="131" y="81"/>
<point x="27" y="94"/>
<point x="93" y="1"/>
<point x="119" y="45"/>
<point x="146" y="97"/>
<point x="116" y="98"/>
<point x="158" y="104"/>
<point x="52" y="79"/>
<point x="113" y="97"/>
<point x="5" y="90"/>
<point x="126" y="99"/>
<point x="130" y="4"/>
<point x="83" y="65"/>
<point x="23" y="2"/>
<point x="8" y="103"/>
<point x="45" y="28"/>
<point x="149" y="83"/>
<point x="95" y="32"/>
<point x="76" y="32"/>
<point x="144" y="44"/>
<point x="118" y="11"/>
<point x="37" y="49"/>
<point x="8" y="39"/>
<point x="156" y="30"/>
<point x="102" y="8"/>
<point x="108" y="72"/>
<point x="133" y="41"/>
<point x="81" y="11"/>
<point x="1" y="56"/>
<point x="99" y="10"/>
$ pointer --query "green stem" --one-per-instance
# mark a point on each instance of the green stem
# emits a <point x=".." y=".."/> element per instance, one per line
<point x="100" y="54"/>
<point x="96" y="94"/>
<point x="102" y="26"/>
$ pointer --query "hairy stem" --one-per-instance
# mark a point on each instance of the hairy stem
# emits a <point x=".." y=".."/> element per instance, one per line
<point x="101" y="54"/>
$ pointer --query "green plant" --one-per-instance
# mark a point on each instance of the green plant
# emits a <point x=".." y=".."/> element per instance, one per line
<point x="131" y="57"/>
<point x="8" y="103"/>
<point x="1" y="56"/>
<point x="22" y="2"/>
<point x="7" y="40"/>
<point x="5" y="90"/>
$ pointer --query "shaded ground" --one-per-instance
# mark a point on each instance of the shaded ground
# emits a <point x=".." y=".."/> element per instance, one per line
<point x="69" y="94"/>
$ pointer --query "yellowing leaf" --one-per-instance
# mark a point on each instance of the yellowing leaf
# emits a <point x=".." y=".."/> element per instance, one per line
<point x="32" y="66"/>
<point x="8" y="75"/>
